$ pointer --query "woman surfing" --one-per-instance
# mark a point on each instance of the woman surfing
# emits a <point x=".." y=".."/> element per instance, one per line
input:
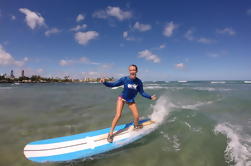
<point x="132" y="85"/>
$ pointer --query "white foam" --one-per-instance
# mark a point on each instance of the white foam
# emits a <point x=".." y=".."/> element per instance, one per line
<point x="188" y="125"/>
<point x="247" y="82"/>
<point x="204" y="88"/>
<point x="237" y="149"/>
<point x="160" y="111"/>
<point x="151" y="84"/>
<point x="195" y="106"/>
<point x="218" y="82"/>
<point x="155" y="87"/>
<point x="117" y="87"/>
<point x="211" y="89"/>
<point x="176" y="144"/>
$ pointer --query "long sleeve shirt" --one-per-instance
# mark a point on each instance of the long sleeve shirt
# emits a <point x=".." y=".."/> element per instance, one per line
<point x="131" y="88"/>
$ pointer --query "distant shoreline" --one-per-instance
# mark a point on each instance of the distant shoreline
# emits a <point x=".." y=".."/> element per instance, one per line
<point x="38" y="79"/>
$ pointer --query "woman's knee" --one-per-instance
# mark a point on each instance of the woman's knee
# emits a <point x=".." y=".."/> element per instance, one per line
<point x="117" y="115"/>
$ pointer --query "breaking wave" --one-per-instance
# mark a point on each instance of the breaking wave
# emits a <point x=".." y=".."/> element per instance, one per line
<point x="237" y="150"/>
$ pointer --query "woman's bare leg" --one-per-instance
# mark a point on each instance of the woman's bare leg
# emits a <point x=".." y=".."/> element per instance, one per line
<point x="135" y="112"/>
<point x="119" y="108"/>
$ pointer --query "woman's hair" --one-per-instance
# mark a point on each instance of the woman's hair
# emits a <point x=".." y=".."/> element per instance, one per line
<point x="134" y="66"/>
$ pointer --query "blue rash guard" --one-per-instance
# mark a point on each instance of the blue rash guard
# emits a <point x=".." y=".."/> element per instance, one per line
<point x="131" y="88"/>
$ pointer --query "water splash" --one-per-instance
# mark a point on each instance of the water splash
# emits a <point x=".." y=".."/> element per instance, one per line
<point x="160" y="111"/>
<point x="237" y="149"/>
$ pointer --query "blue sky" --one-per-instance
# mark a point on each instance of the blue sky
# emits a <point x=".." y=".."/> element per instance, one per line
<point x="168" y="40"/>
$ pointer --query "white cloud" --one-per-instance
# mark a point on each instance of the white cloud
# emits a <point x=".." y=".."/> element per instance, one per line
<point x="180" y="66"/>
<point x="87" y="61"/>
<point x="91" y="74"/>
<point x="142" y="27"/>
<point x="162" y="46"/>
<point x="100" y="14"/>
<point x="125" y="34"/>
<point x="217" y="54"/>
<point x="148" y="55"/>
<point x="33" y="19"/>
<point x="40" y="70"/>
<point x="249" y="12"/>
<point x="13" y="17"/>
<point x="80" y="17"/>
<point x="7" y="59"/>
<point x="118" y="13"/>
<point x="79" y="27"/>
<point x="214" y="55"/>
<point x="169" y="29"/>
<point x="127" y="37"/>
<point x="82" y="60"/>
<point x="189" y="35"/>
<point x="205" y="40"/>
<point x="51" y="31"/>
<point x="64" y="62"/>
<point x="106" y="66"/>
<point x="113" y="12"/>
<point x="84" y="37"/>
<point x="228" y="31"/>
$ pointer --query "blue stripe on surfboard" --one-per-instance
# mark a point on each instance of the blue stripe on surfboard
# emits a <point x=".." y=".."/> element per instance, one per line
<point x="83" y="135"/>
<point x="87" y="152"/>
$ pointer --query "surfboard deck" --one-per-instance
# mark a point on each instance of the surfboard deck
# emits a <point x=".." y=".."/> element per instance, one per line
<point x="84" y="145"/>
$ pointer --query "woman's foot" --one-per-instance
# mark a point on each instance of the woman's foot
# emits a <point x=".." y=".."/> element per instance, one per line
<point x="110" y="138"/>
<point x="139" y="126"/>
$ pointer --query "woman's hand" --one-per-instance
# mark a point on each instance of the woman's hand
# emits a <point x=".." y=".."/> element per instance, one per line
<point x="153" y="97"/>
<point x="102" y="80"/>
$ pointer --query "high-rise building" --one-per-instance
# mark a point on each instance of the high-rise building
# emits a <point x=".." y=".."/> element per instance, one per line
<point x="22" y="73"/>
<point x="12" y="74"/>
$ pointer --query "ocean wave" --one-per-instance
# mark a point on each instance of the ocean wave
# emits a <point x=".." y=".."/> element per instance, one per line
<point x="194" y="106"/>
<point x="176" y="144"/>
<point x="163" y="87"/>
<point x="247" y="82"/>
<point x="192" y="128"/>
<point x="174" y="140"/>
<point x="161" y="110"/>
<point x="188" y="125"/>
<point x="218" y="82"/>
<point x="5" y="88"/>
<point x="151" y="84"/>
<point x="237" y="150"/>
<point x="211" y="89"/>
<point x="117" y="87"/>
<point x="155" y="87"/>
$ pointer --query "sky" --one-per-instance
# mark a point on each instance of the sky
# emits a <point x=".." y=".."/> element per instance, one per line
<point x="167" y="40"/>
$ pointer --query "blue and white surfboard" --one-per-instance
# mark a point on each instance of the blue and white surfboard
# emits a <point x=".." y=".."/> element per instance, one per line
<point x="84" y="145"/>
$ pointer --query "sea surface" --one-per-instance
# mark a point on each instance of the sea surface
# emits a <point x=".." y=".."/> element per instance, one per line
<point x="201" y="123"/>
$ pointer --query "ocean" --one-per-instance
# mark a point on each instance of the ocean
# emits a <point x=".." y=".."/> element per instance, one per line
<point x="200" y="123"/>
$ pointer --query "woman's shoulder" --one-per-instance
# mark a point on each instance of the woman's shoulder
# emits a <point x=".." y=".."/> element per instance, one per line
<point x="124" y="78"/>
<point x="139" y="80"/>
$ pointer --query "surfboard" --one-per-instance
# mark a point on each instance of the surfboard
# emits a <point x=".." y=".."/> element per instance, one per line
<point x="84" y="145"/>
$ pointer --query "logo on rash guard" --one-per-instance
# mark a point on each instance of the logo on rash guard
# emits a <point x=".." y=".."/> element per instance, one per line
<point x="132" y="86"/>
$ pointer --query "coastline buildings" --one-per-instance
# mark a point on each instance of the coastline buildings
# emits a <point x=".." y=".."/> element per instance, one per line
<point x="4" y="78"/>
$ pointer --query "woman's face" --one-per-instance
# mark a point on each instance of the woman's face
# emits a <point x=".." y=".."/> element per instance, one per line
<point x="132" y="71"/>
